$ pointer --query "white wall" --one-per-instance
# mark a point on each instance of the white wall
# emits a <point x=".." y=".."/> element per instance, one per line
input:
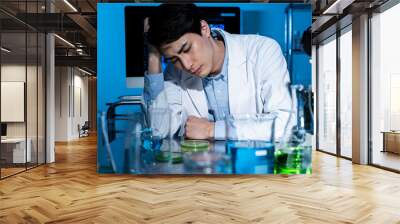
<point x="80" y="84"/>
<point x="33" y="126"/>
<point x="16" y="72"/>
<point x="12" y="101"/>
<point x="62" y="81"/>
<point x="71" y="93"/>
<point x="11" y="73"/>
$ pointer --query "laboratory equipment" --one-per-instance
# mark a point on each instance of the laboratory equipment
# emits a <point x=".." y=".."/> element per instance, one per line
<point x="250" y="142"/>
<point x="293" y="153"/>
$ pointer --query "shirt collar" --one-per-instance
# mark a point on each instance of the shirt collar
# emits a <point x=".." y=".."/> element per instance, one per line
<point x="223" y="74"/>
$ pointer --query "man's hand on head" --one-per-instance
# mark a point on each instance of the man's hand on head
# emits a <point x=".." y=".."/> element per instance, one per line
<point x="199" y="128"/>
<point x="154" y="60"/>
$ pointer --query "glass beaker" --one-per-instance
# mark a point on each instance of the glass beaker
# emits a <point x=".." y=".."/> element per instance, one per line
<point x="158" y="127"/>
<point x="119" y="142"/>
<point x="293" y="153"/>
<point x="250" y="142"/>
<point x="293" y="158"/>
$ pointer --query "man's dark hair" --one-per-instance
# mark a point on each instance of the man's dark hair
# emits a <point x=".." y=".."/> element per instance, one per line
<point x="171" y="21"/>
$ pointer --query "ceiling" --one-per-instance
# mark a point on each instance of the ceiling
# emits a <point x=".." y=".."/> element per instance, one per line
<point x="72" y="20"/>
<point x="76" y="22"/>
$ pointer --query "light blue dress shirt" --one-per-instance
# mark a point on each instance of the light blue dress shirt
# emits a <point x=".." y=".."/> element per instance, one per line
<point x="215" y="88"/>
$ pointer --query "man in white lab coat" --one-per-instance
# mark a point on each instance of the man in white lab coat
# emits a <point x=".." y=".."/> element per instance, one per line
<point x="213" y="73"/>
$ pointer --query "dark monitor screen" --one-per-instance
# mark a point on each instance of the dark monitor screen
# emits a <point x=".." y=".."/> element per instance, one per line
<point x="226" y="18"/>
<point x="3" y="129"/>
<point x="134" y="39"/>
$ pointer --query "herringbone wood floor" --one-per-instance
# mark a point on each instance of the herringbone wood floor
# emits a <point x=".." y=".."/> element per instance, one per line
<point x="70" y="191"/>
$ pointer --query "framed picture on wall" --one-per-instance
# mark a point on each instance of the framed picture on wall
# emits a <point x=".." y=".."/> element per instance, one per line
<point x="12" y="101"/>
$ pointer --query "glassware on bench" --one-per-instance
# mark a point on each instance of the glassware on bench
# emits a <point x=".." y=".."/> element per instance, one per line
<point x="250" y="142"/>
<point x="293" y="152"/>
<point x="158" y="119"/>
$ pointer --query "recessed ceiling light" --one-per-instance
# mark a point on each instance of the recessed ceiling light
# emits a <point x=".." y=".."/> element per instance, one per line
<point x="70" y="5"/>
<point x="84" y="71"/>
<point x="337" y="7"/>
<point x="65" y="41"/>
<point x="5" y="50"/>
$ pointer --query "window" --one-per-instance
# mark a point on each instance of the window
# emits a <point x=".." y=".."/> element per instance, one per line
<point x="22" y="77"/>
<point x="327" y="95"/>
<point x="385" y="88"/>
<point x="346" y="92"/>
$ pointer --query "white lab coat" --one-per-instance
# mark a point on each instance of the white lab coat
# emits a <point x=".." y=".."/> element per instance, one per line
<point x="257" y="83"/>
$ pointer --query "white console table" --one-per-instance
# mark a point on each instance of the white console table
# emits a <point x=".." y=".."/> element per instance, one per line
<point x="18" y="149"/>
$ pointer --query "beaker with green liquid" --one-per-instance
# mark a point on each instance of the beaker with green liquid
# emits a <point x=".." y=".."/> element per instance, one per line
<point x="293" y="152"/>
<point x="293" y="160"/>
